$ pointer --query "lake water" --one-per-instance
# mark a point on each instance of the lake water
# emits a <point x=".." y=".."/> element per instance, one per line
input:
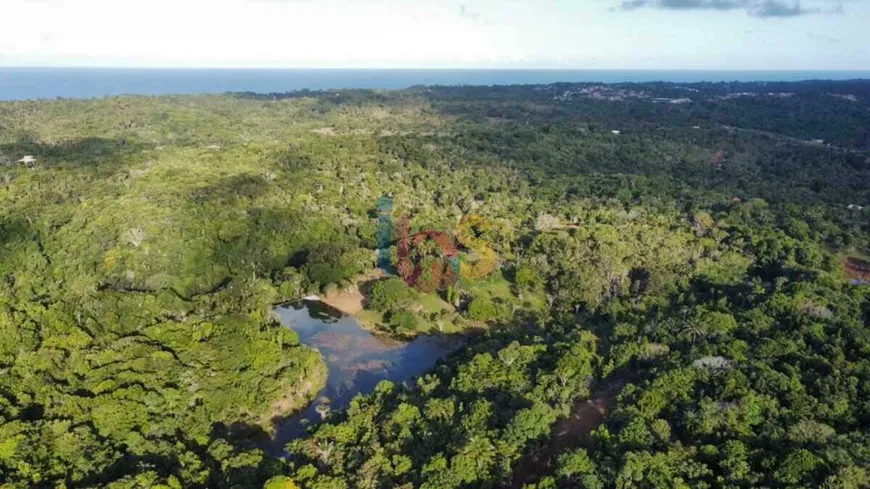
<point x="357" y="360"/>
<point x="37" y="83"/>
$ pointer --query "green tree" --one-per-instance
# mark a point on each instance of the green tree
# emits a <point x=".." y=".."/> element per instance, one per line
<point x="391" y="294"/>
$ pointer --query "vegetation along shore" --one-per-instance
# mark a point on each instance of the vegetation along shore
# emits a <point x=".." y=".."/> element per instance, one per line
<point x="666" y="284"/>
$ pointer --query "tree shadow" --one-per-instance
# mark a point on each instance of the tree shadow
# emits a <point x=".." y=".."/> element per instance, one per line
<point x="540" y="132"/>
<point x="93" y="153"/>
<point x="708" y="291"/>
<point x="219" y="455"/>
<point x="269" y="239"/>
<point x="227" y="190"/>
<point x="13" y="229"/>
<point x="324" y="98"/>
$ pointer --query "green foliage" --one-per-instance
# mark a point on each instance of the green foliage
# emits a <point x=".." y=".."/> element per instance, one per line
<point x="280" y="482"/>
<point x="577" y="466"/>
<point x="330" y="263"/>
<point x="391" y="294"/>
<point x="403" y="322"/>
<point x="459" y="425"/>
<point x="141" y="256"/>
<point x="482" y="308"/>
<point x="528" y="277"/>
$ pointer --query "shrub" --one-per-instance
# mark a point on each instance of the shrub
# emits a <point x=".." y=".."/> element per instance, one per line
<point x="331" y="263"/>
<point x="391" y="294"/>
<point x="403" y="321"/>
<point x="280" y="482"/>
<point x="528" y="277"/>
<point x="482" y="308"/>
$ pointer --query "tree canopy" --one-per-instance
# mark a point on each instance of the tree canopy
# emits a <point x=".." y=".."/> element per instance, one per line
<point x="685" y="275"/>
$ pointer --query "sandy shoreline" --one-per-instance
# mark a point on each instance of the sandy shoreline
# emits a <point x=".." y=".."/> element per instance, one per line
<point x="350" y="300"/>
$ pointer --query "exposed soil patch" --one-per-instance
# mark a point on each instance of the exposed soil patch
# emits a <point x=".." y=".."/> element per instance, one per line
<point x="568" y="433"/>
<point x="350" y="300"/>
<point x="856" y="268"/>
<point x="325" y="131"/>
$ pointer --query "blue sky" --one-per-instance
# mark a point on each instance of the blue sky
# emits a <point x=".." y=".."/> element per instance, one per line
<point x="590" y="34"/>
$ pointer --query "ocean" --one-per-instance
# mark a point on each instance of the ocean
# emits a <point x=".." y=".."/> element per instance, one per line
<point x="49" y="83"/>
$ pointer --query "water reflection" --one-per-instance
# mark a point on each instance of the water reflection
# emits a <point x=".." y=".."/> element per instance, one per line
<point x="357" y="360"/>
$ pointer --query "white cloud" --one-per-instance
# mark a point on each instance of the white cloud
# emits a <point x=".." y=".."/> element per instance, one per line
<point x="416" y="33"/>
<point x="234" y="32"/>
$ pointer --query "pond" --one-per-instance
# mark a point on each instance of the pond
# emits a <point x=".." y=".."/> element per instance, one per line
<point x="356" y="359"/>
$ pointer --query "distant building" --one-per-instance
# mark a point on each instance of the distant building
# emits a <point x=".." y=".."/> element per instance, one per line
<point x="854" y="207"/>
<point x="615" y="132"/>
<point x="819" y="141"/>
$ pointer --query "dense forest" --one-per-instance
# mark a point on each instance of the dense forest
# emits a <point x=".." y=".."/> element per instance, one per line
<point x="686" y="262"/>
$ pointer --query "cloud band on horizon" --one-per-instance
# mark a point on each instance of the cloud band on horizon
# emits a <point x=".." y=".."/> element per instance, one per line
<point x="755" y="8"/>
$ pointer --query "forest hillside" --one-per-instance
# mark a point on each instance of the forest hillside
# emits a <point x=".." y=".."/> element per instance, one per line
<point x="690" y="260"/>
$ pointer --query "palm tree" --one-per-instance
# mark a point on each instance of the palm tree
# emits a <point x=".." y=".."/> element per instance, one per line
<point x="695" y="329"/>
<point x="481" y="451"/>
<point x="324" y="450"/>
